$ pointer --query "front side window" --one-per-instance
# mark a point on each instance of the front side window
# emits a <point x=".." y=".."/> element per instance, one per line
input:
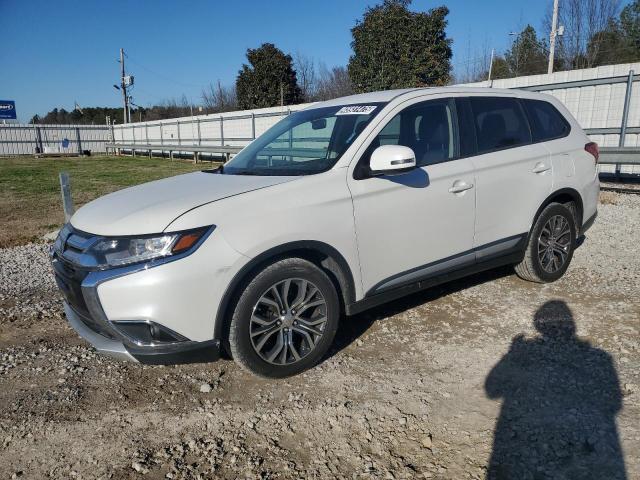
<point x="500" y="123"/>
<point x="306" y="142"/>
<point x="426" y="128"/>
<point x="547" y="123"/>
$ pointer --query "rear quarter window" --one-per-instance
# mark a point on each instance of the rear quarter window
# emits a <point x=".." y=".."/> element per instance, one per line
<point x="547" y="123"/>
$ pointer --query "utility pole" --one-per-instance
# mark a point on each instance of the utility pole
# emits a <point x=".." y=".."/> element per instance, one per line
<point x="491" y="66"/>
<point x="123" y="86"/>
<point x="552" y="37"/>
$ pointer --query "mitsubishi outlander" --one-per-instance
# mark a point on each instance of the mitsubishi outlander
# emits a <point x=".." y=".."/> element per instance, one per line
<point x="337" y="208"/>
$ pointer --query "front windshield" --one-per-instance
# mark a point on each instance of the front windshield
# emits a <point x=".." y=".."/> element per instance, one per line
<point x="305" y="142"/>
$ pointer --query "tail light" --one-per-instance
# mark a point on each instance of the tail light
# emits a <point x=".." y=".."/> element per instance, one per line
<point x="592" y="148"/>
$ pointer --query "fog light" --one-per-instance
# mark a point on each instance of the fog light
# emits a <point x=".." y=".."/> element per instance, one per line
<point x="147" y="332"/>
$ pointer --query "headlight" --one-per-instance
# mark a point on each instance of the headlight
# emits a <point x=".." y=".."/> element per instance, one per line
<point x="116" y="252"/>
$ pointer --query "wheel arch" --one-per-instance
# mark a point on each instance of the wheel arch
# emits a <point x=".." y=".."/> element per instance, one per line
<point x="326" y="257"/>
<point x="563" y="196"/>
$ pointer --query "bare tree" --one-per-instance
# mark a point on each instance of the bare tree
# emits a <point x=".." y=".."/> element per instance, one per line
<point x="333" y="83"/>
<point x="476" y="66"/>
<point x="306" y="73"/>
<point x="582" y="20"/>
<point x="218" y="98"/>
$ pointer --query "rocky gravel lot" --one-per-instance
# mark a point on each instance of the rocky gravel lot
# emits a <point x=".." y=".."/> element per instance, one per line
<point x="486" y="377"/>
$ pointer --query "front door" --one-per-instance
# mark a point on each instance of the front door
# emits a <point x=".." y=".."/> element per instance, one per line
<point x="418" y="224"/>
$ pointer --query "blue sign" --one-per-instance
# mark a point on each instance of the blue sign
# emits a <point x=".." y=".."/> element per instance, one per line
<point x="8" y="109"/>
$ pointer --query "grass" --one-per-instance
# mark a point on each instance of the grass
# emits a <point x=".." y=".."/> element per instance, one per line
<point x="30" y="200"/>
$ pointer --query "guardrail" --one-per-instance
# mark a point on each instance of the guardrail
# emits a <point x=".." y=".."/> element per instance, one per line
<point x="226" y="150"/>
<point x="618" y="156"/>
<point x="608" y="155"/>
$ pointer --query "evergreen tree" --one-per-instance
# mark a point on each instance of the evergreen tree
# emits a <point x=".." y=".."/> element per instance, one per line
<point x="268" y="77"/>
<point x="527" y="55"/>
<point x="394" y="47"/>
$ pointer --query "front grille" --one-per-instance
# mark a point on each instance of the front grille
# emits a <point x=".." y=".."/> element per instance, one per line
<point x="69" y="274"/>
<point x="69" y="279"/>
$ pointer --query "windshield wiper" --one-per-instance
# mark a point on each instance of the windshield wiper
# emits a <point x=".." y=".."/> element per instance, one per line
<point x="219" y="170"/>
<point x="246" y="172"/>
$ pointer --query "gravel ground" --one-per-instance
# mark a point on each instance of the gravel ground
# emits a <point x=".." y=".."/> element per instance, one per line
<point x="488" y="377"/>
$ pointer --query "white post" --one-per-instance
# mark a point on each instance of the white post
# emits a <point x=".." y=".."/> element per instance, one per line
<point x="65" y="190"/>
<point x="553" y="35"/>
<point x="491" y="66"/>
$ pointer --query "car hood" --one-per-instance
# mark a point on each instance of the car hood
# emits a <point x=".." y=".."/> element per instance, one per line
<point x="151" y="207"/>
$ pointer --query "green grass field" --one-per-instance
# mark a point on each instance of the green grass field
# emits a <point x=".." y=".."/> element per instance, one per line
<point x="30" y="200"/>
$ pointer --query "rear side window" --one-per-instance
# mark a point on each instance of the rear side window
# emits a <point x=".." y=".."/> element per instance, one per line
<point x="547" y="122"/>
<point x="500" y="123"/>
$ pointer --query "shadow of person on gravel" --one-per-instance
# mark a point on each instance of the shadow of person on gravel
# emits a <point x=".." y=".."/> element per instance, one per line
<point x="560" y="398"/>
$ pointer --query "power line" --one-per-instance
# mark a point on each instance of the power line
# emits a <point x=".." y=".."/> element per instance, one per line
<point x="163" y="76"/>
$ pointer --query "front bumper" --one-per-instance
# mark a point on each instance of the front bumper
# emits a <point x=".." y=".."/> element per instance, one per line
<point x="151" y="338"/>
<point x="110" y="347"/>
<point x="120" y="349"/>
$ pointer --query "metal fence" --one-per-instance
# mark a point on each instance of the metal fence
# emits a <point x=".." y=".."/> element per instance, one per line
<point x="230" y="129"/>
<point x="21" y="139"/>
<point x="605" y="101"/>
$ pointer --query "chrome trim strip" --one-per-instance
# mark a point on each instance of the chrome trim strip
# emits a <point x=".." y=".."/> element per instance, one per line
<point x="181" y="339"/>
<point x="454" y="262"/>
<point x="427" y="270"/>
<point x="497" y="247"/>
<point x="80" y="242"/>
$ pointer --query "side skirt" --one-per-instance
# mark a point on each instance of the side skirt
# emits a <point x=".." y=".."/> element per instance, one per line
<point x="372" y="299"/>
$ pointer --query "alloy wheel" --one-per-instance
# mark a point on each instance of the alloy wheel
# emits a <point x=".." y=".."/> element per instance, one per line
<point x="288" y="321"/>
<point x="554" y="244"/>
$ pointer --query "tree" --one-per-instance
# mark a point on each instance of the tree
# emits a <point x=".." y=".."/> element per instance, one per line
<point x="333" y="83"/>
<point x="396" y="48"/>
<point x="268" y="80"/>
<point x="306" y="74"/>
<point x="218" y="98"/>
<point x="611" y="46"/>
<point x="500" y="68"/>
<point x="630" y="26"/>
<point x="579" y="47"/>
<point x="527" y="55"/>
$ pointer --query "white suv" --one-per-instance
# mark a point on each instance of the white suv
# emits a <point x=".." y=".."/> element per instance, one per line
<point x="337" y="208"/>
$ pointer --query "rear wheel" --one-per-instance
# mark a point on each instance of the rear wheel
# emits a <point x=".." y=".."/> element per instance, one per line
<point x="551" y="244"/>
<point x="285" y="319"/>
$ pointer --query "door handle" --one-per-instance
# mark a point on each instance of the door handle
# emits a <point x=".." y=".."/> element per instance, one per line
<point x="541" y="167"/>
<point x="460" y="186"/>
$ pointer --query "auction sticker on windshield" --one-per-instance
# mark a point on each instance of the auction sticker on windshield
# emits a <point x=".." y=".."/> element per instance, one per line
<point x="356" y="110"/>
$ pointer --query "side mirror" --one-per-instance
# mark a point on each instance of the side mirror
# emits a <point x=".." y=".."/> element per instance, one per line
<point x="392" y="160"/>
<point x="319" y="124"/>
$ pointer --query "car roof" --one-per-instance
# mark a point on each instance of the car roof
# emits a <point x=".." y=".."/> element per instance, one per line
<point x="389" y="95"/>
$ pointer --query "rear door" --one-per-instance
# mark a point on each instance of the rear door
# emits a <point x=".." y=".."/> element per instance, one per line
<point x="513" y="174"/>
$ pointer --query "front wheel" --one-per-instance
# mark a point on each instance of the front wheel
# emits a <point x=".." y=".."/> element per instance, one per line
<point x="551" y="244"/>
<point x="285" y="319"/>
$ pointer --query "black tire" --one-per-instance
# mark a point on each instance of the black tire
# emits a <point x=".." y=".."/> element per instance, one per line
<point x="531" y="268"/>
<point x="241" y="341"/>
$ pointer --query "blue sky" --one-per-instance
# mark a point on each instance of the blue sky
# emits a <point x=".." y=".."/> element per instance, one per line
<point x="56" y="52"/>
